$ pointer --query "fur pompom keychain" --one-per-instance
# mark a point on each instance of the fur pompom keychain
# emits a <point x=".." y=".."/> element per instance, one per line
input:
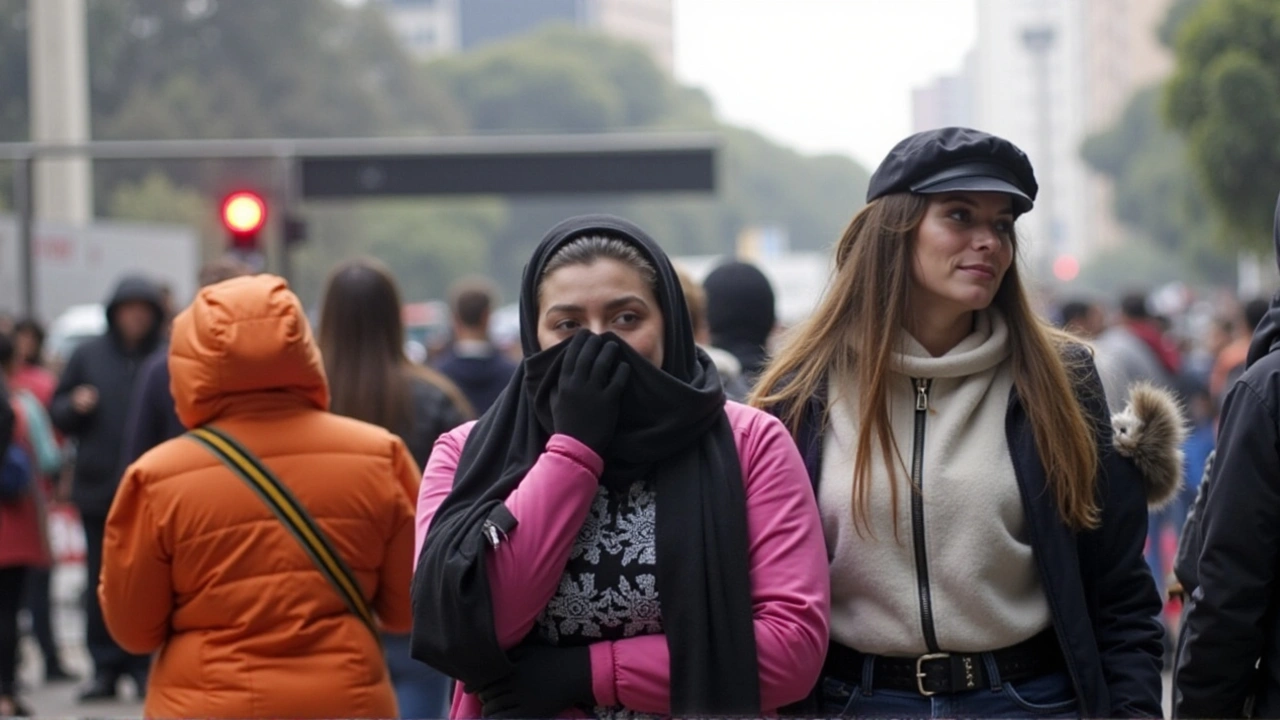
<point x="1150" y="431"/>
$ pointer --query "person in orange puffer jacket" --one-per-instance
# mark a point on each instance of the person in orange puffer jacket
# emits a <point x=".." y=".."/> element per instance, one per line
<point x="196" y="566"/>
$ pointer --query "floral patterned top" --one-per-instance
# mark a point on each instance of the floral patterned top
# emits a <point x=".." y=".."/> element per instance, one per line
<point x="609" y="590"/>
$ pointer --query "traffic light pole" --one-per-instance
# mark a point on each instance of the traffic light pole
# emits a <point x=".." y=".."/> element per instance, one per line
<point x="287" y="182"/>
<point x="354" y="168"/>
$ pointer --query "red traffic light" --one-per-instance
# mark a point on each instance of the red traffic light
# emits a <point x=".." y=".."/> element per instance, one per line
<point x="244" y="213"/>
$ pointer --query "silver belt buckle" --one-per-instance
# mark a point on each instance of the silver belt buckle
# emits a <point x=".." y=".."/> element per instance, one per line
<point x="920" y="675"/>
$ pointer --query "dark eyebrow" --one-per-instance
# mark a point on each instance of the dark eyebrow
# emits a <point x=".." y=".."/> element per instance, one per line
<point x="966" y="200"/>
<point x="624" y="301"/>
<point x="563" y="307"/>
<point x="611" y="305"/>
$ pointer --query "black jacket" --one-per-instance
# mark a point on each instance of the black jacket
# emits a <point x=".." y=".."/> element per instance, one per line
<point x="107" y="365"/>
<point x="1101" y="594"/>
<point x="153" y="417"/>
<point x="434" y="414"/>
<point x="1230" y="646"/>
<point x="481" y="378"/>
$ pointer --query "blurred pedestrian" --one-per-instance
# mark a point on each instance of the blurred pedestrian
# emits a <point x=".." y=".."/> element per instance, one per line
<point x="23" y="540"/>
<point x="30" y="374"/>
<point x="91" y="405"/>
<point x="152" y="416"/>
<point x="726" y="364"/>
<point x="472" y="361"/>
<point x="371" y="379"/>
<point x="1227" y="666"/>
<point x="741" y="314"/>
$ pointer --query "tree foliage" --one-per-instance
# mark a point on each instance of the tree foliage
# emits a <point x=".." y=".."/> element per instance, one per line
<point x="161" y="69"/>
<point x="1158" y="197"/>
<point x="1224" y="98"/>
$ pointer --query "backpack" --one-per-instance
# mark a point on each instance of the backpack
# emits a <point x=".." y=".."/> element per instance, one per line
<point x="44" y="444"/>
<point x="15" y="474"/>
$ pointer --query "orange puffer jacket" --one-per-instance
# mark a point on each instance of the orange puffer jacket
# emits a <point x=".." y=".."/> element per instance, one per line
<point x="196" y="566"/>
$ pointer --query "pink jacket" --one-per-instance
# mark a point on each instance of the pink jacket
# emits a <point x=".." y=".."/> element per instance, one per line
<point x="789" y="582"/>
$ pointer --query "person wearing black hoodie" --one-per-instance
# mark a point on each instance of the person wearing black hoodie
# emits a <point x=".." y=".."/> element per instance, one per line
<point x="1229" y="659"/>
<point x="91" y="405"/>
<point x="740" y="311"/>
<point x="153" y="418"/>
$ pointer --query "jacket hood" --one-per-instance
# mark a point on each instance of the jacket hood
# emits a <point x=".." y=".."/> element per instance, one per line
<point x="243" y="337"/>
<point x="1267" y="334"/>
<point x="1150" y="431"/>
<point x="135" y="288"/>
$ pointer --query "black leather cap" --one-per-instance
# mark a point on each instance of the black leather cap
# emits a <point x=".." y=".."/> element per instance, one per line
<point x="956" y="159"/>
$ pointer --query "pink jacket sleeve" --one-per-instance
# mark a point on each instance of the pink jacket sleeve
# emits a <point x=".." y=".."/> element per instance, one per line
<point x="790" y="585"/>
<point x="549" y="506"/>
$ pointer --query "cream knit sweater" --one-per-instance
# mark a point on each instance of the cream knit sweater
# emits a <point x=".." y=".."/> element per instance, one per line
<point x="983" y="583"/>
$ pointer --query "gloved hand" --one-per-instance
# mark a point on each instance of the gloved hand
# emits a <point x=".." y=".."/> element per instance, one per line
<point x="590" y="390"/>
<point x="546" y="682"/>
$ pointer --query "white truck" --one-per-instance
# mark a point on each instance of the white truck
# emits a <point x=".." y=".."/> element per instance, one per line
<point x="77" y="267"/>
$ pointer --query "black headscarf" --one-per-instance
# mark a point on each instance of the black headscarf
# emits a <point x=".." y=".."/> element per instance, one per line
<point x="673" y="429"/>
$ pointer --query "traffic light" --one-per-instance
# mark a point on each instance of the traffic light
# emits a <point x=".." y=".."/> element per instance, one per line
<point x="244" y="214"/>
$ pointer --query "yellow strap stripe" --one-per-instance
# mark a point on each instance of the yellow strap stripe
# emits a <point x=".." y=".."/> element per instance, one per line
<point x="283" y="503"/>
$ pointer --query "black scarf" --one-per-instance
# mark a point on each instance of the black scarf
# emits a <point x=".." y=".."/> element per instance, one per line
<point x="673" y="429"/>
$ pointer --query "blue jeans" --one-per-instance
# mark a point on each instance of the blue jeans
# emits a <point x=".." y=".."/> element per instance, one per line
<point x="421" y="692"/>
<point x="1047" y="696"/>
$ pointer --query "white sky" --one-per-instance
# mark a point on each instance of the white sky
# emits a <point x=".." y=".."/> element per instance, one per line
<point x="821" y="75"/>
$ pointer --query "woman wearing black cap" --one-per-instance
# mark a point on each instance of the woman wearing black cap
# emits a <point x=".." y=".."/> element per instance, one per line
<point x="613" y="536"/>
<point x="986" y="539"/>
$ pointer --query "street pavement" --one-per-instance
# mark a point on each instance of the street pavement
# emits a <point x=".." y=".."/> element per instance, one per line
<point x="60" y="700"/>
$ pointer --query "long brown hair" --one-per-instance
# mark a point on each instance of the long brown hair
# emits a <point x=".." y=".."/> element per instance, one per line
<point x="362" y="342"/>
<point x="862" y="316"/>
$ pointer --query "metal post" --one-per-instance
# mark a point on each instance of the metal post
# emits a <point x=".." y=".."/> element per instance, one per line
<point x="1039" y="41"/>
<point x="287" y="182"/>
<point x="23" y="197"/>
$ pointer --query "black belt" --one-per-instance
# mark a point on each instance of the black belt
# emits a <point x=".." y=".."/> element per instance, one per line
<point x="945" y="673"/>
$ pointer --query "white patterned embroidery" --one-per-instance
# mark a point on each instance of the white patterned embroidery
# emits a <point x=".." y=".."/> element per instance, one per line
<point x="576" y="606"/>
<point x="604" y="586"/>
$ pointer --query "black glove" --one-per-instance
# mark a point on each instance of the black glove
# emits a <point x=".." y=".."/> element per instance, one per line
<point x="590" y="390"/>
<point x="546" y="682"/>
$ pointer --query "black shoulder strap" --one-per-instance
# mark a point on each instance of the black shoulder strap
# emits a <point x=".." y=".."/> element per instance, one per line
<point x="291" y="513"/>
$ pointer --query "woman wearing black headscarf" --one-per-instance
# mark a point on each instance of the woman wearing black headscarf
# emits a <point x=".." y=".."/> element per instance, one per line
<point x="613" y="535"/>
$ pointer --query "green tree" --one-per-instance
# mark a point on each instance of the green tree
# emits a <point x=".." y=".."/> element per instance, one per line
<point x="1224" y="98"/>
<point x="1158" y="197"/>
<point x="426" y="245"/>
<point x="559" y="80"/>
<point x="320" y="68"/>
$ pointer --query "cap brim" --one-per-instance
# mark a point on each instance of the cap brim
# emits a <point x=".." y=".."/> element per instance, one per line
<point x="978" y="183"/>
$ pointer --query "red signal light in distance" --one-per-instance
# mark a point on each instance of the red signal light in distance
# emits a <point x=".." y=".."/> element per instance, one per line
<point x="244" y="213"/>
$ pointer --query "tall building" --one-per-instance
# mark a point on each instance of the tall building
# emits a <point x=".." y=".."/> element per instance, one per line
<point x="1047" y="74"/>
<point x="435" y="27"/>
<point x="1029" y="80"/>
<point x="945" y="102"/>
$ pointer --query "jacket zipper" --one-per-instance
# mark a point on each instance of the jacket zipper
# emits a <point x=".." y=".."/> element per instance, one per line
<point x="917" y="514"/>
